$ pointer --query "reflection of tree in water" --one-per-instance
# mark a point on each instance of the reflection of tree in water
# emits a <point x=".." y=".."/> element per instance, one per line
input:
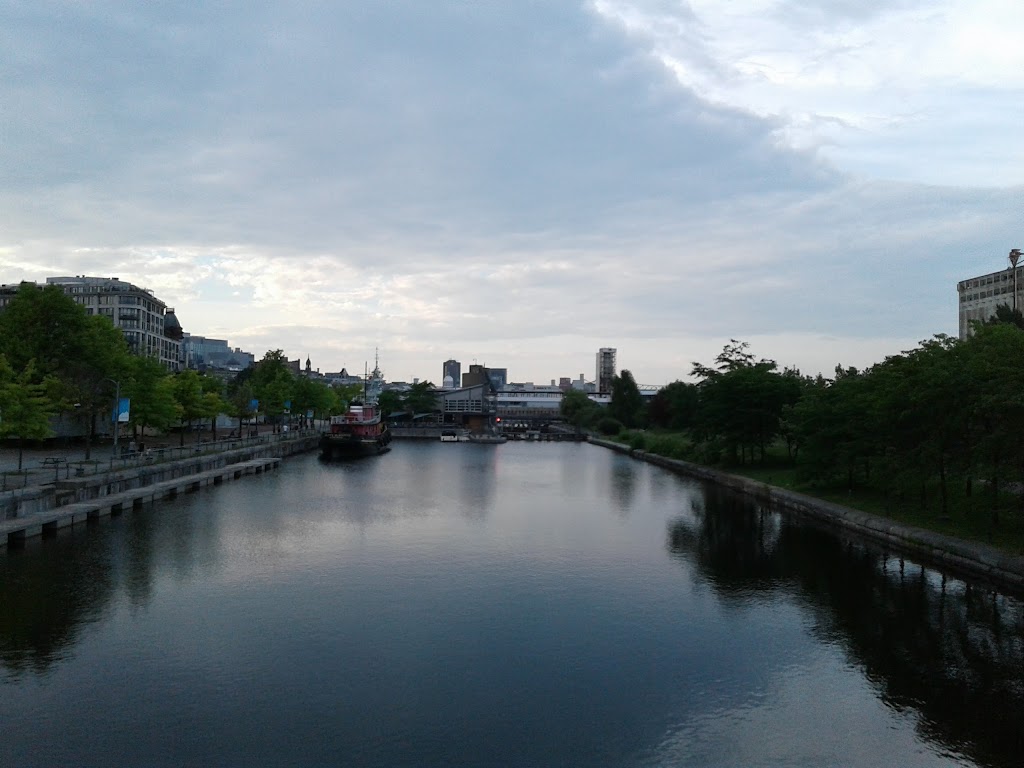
<point x="952" y="652"/>
<point x="46" y="596"/>
<point x="623" y="483"/>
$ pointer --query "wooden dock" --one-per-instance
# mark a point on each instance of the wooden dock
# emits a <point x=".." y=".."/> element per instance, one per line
<point x="39" y="523"/>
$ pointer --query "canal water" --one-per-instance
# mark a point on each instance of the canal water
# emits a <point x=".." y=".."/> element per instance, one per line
<point x="506" y="605"/>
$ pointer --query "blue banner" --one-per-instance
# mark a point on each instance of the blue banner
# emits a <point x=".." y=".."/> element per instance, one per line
<point x="123" y="411"/>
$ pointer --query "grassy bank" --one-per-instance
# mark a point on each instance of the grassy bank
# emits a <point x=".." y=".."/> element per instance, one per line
<point x="967" y="517"/>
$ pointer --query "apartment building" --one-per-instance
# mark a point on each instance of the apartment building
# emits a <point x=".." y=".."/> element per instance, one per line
<point x="148" y="324"/>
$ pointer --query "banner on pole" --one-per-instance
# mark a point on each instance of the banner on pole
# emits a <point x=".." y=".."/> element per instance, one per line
<point x="123" y="413"/>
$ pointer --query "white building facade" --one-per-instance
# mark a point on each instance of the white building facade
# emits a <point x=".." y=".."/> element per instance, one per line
<point x="148" y="325"/>
<point x="979" y="296"/>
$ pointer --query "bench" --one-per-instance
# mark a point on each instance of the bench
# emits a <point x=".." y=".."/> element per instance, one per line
<point x="55" y="462"/>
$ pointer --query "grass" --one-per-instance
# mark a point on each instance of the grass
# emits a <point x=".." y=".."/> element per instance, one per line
<point x="967" y="519"/>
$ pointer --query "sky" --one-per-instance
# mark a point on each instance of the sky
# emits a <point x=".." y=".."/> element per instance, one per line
<point x="518" y="183"/>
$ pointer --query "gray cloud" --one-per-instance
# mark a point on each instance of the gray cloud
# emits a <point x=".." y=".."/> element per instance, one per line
<point x="517" y="181"/>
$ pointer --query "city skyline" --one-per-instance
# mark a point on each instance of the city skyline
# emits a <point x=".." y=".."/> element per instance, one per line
<point x="526" y="183"/>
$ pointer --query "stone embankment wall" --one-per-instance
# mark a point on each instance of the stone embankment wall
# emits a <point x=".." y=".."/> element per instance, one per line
<point x="35" y="499"/>
<point x="968" y="558"/>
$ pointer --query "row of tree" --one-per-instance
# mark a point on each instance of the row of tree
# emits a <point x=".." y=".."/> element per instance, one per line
<point x="58" y="361"/>
<point x="941" y="425"/>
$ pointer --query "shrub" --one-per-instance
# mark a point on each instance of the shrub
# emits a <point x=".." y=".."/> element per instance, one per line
<point x="637" y="441"/>
<point x="609" y="426"/>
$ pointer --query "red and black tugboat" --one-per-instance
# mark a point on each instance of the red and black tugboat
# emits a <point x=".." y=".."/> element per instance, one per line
<point x="359" y="432"/>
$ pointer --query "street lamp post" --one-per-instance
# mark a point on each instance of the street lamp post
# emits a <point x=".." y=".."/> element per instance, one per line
<point x="117" y="412"/>
<point x="1015" y="255"/>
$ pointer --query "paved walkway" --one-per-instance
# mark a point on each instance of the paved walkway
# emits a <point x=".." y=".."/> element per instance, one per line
<point x="57" y="462"/>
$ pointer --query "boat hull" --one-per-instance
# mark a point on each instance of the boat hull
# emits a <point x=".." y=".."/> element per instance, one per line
<point x="352" y="447"/>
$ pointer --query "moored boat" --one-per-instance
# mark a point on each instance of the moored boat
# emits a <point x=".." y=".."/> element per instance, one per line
<point x="359" y="432"/>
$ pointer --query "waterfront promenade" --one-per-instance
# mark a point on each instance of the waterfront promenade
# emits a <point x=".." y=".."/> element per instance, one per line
<point x="55" y="489"/>
<point x="50" y="463"/>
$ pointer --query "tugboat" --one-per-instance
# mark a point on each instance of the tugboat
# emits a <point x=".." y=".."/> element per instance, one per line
<point x="359" y="432"/>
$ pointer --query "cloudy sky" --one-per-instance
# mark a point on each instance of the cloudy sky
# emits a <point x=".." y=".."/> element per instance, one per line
<point x="520" y="182"/>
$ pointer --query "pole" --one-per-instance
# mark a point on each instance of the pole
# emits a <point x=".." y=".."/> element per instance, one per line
<point x="117" y="413"/>
<point x="1015" y="255"/>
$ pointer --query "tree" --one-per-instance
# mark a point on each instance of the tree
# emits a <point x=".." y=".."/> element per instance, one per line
<point x="25" y="409"/>
<point x="151" y="391"/>
<point x="77" y="350"/>
<point x="627" y="405"/>
<point x="390" y="402"/>
<point x="273" y="383"/>
<point x="1005" y="314"/>
<point x="241" y="402"/>
<point x="345" y="394"/>
<point x="213" y="402"/>
<point x="578" y="409"/>
<point x="421" y="398"/>
<point x="188" y="394"/>
<point x="674" y="406"/>
<point x="742" y="401"/>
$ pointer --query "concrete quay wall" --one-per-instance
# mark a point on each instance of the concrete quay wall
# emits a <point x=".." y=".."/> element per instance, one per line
<point x="34" y="500"/>
<point x="964" y="557"/>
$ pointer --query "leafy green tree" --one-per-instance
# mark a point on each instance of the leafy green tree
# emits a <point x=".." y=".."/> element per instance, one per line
<point x="345" y="394"/>
<point x="273" y="383"/>
<point x="188" y="394"/>
<point x="311" y="395"/>
<point x="44" y="325"/>
<point x="151" y="392"/>
<point x="1005" y="314"/>
<point x="578" y="409"/>
<point x="674" y="406"/>
<point x="627" y="405"/>
<point x="993" y="363"/>
<point x="213" y="401"/>
<point x="390" y="402"/>
<point x="241" y="400"/>
<point x="742" y="402"/>
<point x="25" y="409"/>
<point x="80" y="352"/>
<point x="421" y="398"/>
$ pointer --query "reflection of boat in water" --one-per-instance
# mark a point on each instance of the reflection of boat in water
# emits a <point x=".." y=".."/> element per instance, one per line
<point x="359" y="432"/>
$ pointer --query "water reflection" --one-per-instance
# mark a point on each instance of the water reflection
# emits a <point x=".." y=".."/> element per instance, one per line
<point x="476" y="469"/>
<point x="622" y="484"/>
<point x="952" y="652"/>
<point x="48" y="591"/>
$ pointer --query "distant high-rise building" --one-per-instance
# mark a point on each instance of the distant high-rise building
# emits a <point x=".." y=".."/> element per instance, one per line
<point x="453" y="369"/>
<point x="476" y="375"/>
<point x="498" y="377"/>
<point x="605" y="370"/>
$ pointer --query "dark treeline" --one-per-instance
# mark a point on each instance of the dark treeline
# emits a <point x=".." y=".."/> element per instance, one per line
<point x="939" y="428"/>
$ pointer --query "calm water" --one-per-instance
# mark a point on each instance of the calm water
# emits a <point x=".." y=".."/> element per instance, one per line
<point x="520" y="605"/>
